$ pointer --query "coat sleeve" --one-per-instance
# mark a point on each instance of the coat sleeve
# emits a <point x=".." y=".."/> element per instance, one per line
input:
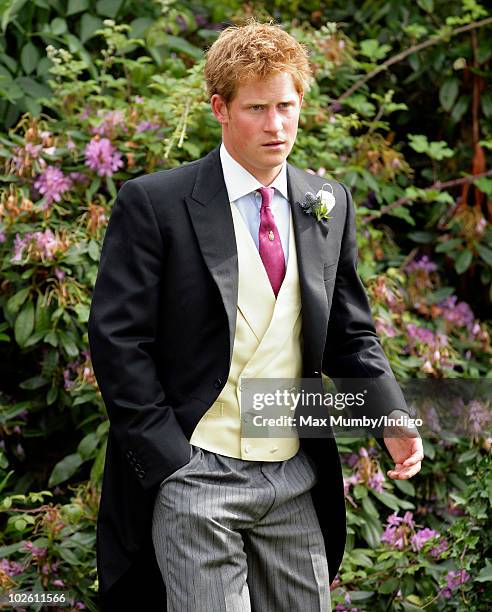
<point x="353" y="349"/>
<point x="122" y="330"/>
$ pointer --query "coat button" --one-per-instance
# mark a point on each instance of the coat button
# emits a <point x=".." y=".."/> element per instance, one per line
<point x="140" y="474"/>
<point x="138" y="467"/>
<point x="218" y="383"/>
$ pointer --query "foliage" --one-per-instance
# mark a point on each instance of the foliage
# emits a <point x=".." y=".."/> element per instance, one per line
<point x="119" y="97"/>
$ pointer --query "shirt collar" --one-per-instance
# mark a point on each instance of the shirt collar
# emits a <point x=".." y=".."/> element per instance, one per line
<point x="239" y="182"/>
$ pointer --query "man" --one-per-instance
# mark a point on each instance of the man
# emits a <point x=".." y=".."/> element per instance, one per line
<point x="203" y="273"/>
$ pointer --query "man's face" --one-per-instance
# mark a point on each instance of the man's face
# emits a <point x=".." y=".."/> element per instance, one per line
<point x="262" y="112"/>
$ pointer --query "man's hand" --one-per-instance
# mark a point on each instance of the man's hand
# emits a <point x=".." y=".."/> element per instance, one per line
<point x="405" y="447"/>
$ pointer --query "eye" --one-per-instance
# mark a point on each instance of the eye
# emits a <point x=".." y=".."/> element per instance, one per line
<point x="285" y="104"/>
<point x="255" y="106"/>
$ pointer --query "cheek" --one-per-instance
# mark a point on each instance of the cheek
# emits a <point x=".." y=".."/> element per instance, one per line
<point x="247" y="130"/>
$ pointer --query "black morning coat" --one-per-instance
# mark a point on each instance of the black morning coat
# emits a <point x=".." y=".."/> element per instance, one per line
<point x="161" y="331"/>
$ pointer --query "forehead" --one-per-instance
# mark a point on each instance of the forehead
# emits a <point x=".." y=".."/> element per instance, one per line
<point x="270" y="87"/>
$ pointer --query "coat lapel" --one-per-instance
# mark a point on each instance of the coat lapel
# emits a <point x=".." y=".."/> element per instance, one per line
<point x="311" y="243"/>
<point x="211" y="216"/>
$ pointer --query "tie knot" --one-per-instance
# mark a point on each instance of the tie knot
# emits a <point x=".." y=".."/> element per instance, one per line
<point x="266" y="195"/>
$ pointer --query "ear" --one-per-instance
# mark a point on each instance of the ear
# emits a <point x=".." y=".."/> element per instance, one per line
<point x="219" y="108"/>
<point x="301" y="97"/>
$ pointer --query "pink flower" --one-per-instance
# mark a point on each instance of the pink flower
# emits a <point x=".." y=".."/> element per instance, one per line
<point x="458" y="313"/>
<point x="145" y="126"/>
<point x="44" y="244"/>
<point x="437" y="551"/>
<point x="376" y="482"/>
<point x="453" y="580"/>
<point x="11" y="568"/>
<point x="424" y="264"/>
<point x="52" y="183"/>
<point x="111" y="120"/>
<point x="100" y="155"/>
<point x="59" y="273"/>
<point x="36" y="551"/>
<point x="420" y="537"/>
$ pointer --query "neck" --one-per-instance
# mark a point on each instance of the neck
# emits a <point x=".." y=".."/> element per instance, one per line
<point x="265" y="176"/>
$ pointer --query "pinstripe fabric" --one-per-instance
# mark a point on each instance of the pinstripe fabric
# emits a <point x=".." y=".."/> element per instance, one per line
<point x="240" y="536"/>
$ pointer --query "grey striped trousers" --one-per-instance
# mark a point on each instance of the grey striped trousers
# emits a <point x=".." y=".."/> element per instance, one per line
<point x="240" y="536"/>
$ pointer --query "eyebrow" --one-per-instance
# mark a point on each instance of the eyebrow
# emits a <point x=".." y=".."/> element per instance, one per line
<point x="262" y="103"/>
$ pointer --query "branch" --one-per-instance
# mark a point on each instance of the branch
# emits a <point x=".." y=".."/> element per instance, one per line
<point x="433" y="40"/>
<point x="437" y="185"/>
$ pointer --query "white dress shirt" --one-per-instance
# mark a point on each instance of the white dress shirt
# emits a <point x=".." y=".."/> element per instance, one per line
<point x="241" y="186"/>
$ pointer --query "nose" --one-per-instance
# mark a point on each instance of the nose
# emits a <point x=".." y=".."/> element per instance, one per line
<point x="273" y="121"/>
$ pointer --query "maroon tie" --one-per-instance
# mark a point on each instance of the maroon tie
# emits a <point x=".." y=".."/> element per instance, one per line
<point x="270" y="247"/>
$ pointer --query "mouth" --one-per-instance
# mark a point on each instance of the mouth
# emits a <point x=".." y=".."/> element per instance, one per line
<point x="276" y="144"/>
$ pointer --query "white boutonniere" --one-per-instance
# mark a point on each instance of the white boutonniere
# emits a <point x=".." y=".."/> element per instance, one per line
<point x="320" y="204"/>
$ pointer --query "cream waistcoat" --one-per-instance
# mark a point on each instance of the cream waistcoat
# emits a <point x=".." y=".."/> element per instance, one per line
<point x="267" y="344"/>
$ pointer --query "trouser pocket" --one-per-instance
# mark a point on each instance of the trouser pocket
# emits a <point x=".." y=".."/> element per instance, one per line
<point x="195" y="453"/>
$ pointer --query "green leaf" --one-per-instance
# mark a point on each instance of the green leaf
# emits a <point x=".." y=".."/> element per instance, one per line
<point x="36" y="382"/>
<point x="87" y="445"/>
<point x="83" y="312"/>
<point x="360" y="491"/>
<point x="360" y="595"/>
<point x="389" y="586"/>
<point x="93" y="187"/>
<point x="24" y="323"/>
<point x="486" y="103"/>
<point x="485" y="574"/>
<point x="485" y="253"/>
<point x="20" y="524"/>
<point x="405" y="487"/>
<point x="16" y="301"/>
<point x="68" y="344"/>
<point x="32" y="88"/>
<point x="359" y="557"/>
<point x="429" y="449"/>
<point x="373" y="50"/>
<point x="426" y="5"/>
<point x="403" y="213"/>
<point x="422" y="237"/>
<point x="371" y="531"/>
<point x="387" y="499"/>
<point x="29" y="57"/>
<point x="460" y="108"/>
<point x="77" y="6"/>
<point x="52" y="395"/>
<point x="64" y="469"/>
<point x="468" y="455"/>
<point x="408" y="606"/>
<point x="10" y="549"/>
<point x="88" y="26"/>
<point x="448" y="93"/>
<point x="58" y="26"/>
<point x="175" y="43"/>
<point x="108" y="8"/>
<point x="369" y="506"/>
<point x="110" y="186"/>
<point x="68" y="555"/>
<point x="42" y="318"/>
<point x="448" y="245"/>
<point x="94" y="250"/>
<point x="98" y="465"/>
<point x="51" y="338"/>
<point x="439" y="294"/>
<point x="10" y="12"/>
<point x="463" y="261"/>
